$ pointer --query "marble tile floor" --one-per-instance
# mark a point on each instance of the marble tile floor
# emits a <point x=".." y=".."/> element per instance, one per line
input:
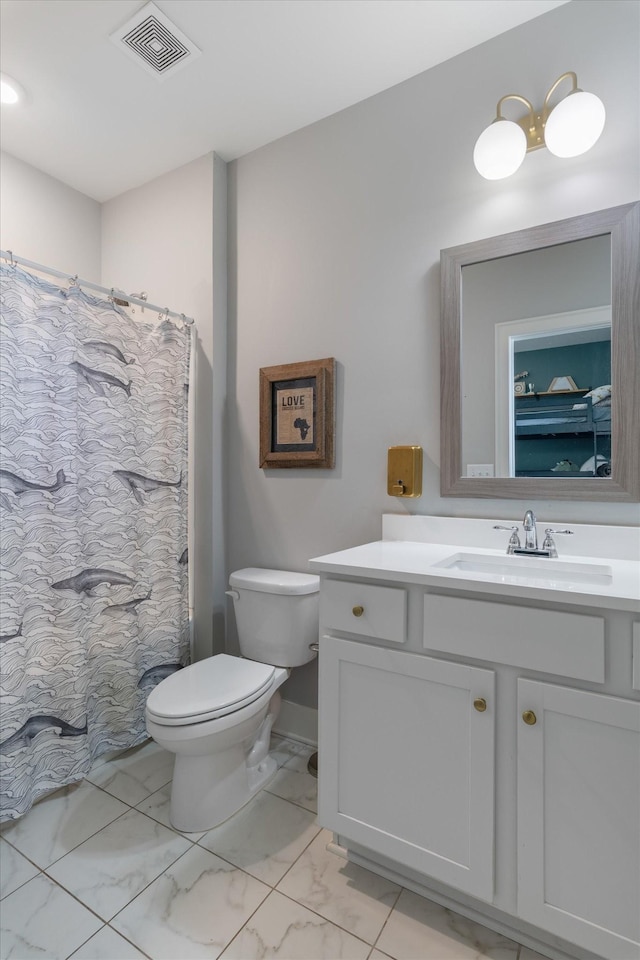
<point x="95" y="872"/>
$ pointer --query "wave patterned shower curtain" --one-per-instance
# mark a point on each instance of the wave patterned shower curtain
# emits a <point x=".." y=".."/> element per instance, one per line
<point x="93" y="513"/>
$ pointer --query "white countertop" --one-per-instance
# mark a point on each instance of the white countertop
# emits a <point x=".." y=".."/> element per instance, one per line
<point x="413" y="561"/>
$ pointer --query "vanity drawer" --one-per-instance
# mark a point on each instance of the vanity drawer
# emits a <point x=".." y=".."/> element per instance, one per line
<point x="566" y="644"/>
<point x="364" y="609"/>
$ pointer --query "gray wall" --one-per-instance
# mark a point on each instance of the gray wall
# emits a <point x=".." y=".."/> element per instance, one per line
<point x="334" y="241"/>
<point x="159" y="238"/>
<point x="44" y="220"/>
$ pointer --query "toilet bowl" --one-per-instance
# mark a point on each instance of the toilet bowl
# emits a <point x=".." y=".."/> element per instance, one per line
<point x="221" y="741"/>
<point x="216" y="715"/>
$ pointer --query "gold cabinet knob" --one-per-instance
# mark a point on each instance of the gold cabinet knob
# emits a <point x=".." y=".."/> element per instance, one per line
<point x="480" y="704"/>
<point x="358" y="611"/>
<point x="529" y="717"/>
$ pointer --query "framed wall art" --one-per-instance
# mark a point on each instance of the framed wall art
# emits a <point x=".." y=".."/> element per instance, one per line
<point x="297" y="414"/>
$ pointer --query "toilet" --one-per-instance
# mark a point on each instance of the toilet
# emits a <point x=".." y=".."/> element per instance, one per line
<point x="216" y="715"/>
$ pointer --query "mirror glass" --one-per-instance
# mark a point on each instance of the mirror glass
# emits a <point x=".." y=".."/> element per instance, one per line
<point x="535" y="358"/>
<point x="540" y="361"/>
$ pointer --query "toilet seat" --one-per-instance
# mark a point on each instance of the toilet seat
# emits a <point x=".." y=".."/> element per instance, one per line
<point x="208" y="689"/>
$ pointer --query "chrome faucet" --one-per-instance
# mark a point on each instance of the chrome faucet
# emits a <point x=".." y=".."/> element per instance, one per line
<point x="531" y="548"/>
<point x="530" y="531"/>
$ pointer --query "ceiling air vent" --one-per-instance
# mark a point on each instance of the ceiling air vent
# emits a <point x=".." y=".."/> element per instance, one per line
<point x="154" y="42"/>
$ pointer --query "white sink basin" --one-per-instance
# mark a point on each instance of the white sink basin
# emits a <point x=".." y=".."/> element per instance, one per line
<point x="545" y="571"/>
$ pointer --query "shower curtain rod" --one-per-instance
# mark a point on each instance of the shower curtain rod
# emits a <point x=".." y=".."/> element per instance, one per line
<point x="111" y="292"/>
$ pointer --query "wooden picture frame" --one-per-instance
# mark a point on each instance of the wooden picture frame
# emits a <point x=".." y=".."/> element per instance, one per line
<point x="297" y="415"/>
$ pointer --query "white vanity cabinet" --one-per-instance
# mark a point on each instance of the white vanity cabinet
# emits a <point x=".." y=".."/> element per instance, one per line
<point x="411" y="769"/>
<point x="487" y="750"/>
<point x="578" y="782"/>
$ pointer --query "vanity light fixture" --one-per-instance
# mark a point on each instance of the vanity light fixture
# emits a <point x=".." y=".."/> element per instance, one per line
<point x="567" y="130"/>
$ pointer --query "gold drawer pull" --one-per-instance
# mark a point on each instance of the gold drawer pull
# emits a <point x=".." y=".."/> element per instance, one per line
<point x="480" y="704"/>
<point x="529" y="717"/>
<point x="358" y="611"/>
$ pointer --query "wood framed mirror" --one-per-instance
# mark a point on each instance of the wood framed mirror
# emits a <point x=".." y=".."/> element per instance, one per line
<point x="497" y="303"/>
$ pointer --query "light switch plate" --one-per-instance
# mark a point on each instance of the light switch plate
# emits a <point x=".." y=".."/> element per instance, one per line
<point x="480" y="470"/>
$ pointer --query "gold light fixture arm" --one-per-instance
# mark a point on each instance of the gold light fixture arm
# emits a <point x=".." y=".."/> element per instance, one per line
<point x="552" y="89"/>
<point x="534" y="122"/>
<point x="531" y="123"/>
<point x="513" y="96"/>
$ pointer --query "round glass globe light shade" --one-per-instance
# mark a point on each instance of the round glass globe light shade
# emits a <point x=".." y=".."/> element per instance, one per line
<point x="574" y="125"/>
<point x="500" y="149"/>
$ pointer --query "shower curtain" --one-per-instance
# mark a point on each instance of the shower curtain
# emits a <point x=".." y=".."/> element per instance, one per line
<point x="93" y="513"/>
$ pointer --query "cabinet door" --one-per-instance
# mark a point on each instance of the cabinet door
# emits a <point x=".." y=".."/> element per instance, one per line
<point x="407" y="761"/>
<point x="579" y="817"/>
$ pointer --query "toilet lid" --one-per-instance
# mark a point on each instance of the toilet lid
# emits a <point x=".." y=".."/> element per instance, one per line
<point x="284" y="582"/>
<point x="208" y="689"/>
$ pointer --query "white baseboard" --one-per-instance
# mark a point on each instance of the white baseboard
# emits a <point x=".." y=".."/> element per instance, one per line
<point x="297" y="722"/>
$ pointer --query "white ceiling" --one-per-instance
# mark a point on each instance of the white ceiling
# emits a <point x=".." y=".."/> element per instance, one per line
<point x="99" y="122"/>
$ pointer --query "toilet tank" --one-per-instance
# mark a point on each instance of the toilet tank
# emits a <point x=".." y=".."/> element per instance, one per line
<point x="277" y="615"/>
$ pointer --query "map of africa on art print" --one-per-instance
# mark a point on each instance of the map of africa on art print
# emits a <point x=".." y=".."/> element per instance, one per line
<point x="297" y="414"/>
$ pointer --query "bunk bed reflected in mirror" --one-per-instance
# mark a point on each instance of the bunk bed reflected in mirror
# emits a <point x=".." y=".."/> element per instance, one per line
<point x="567" y="426"/>
<point x="540" y="392"/>
<point x="553" y="395"/>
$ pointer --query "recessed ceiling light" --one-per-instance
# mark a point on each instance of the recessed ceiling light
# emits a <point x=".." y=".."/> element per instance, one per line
<point x="10" y="89"/>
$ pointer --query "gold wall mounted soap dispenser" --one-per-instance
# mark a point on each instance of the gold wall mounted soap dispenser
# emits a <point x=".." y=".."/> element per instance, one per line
<point x="404" y="471"/>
